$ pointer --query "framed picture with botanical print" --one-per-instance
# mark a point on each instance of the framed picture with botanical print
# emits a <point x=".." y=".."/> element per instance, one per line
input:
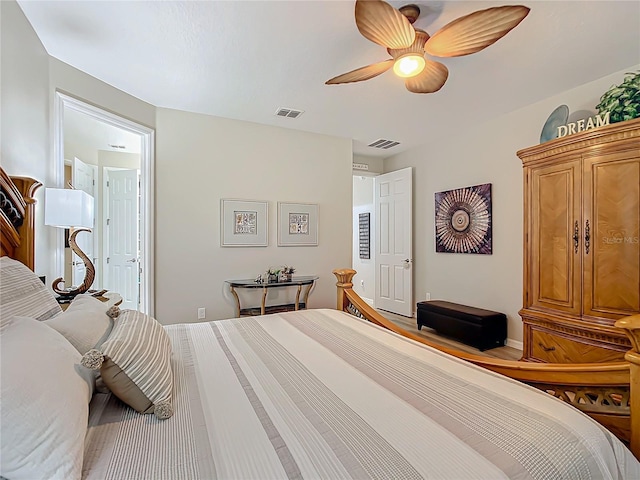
<point x="244" y="223"/>
<point x="297" y="224"/>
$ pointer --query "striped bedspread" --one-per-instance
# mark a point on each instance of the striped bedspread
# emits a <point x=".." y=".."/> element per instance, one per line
<point x="321" y="394"/>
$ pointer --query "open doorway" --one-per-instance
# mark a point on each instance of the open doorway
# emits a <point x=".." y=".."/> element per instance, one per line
<point x="363" y="258"/>
<point x="111" y="158"/>
<point x="383" y="219"/>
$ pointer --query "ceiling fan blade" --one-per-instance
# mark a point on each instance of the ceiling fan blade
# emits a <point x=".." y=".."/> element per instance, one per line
<point x="430" y="80"/>
<point x="364" y="73"/>
<point x="382" y="24"/>
<point x="476" y="31"/>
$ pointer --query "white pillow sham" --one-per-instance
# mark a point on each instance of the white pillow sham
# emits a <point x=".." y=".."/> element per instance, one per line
<point x="45" y="402"/>
<point x="22" y="292"/>
<point x="84" y="323"/>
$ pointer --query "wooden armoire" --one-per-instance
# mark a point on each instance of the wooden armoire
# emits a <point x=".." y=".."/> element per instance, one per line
<point x="581" y="244"/>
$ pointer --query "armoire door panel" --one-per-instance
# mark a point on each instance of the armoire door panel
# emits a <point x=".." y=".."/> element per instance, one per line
<point x="555" y="280"/>
<point x="611" y="285"/>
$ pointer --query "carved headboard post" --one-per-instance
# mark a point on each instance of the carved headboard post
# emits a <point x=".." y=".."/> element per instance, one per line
<point x="17" y="217"/>
<point x="631" y="326"/>
<point x="26" y="251"/>
<point x="344" y="276"/>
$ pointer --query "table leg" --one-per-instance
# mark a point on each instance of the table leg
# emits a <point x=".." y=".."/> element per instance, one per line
<point x="297" y="306"/>
<point x="233" y="291"/>
<point x="306" y="295"/>
<point x="264" y="299"/>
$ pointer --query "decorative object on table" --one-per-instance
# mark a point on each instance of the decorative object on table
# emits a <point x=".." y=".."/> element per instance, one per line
<point x="463" y="220"/>
<point x="557" y="118"/>
<point x="622" y="101"/>
<point x="243" y="223"/>
<point x="286" y="274"/>
<point x="72" y="209"/>
<point x="276" y="274"/>
<point x="272" y="274"/>
<point x="383" y="24"/>
<point x="364" y="234"/>
<point x="297" y="224"/>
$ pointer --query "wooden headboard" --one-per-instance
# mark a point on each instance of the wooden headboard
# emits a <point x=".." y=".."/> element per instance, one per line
<point x="17" y="223"/>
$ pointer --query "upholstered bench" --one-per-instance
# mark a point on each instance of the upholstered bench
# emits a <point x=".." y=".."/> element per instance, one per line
<point x="482" y="329"/>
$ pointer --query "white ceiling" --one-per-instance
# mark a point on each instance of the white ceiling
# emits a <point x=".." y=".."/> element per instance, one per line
<point x="245" y="59"/>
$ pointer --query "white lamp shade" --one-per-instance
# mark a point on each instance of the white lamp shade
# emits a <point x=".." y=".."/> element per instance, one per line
<point x="67" y="208"/>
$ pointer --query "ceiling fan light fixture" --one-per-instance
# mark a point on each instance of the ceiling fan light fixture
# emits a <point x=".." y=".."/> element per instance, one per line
<point x="409" y="65"/>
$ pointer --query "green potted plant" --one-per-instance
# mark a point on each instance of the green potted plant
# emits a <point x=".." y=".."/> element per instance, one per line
<point x="273" y="273"/>
<point x="622" y="101"/>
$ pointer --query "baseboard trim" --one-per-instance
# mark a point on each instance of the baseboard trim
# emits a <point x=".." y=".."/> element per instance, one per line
<point x="515" y="344"/>
<point x="368" y="300"/>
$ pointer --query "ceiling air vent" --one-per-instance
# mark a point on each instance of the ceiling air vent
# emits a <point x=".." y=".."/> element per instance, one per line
<point x="289" y="112"/>
<point x="384" y="144"/>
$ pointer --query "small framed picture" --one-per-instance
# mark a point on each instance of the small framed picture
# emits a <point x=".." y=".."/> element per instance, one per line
<point x="244" y="223"/>
<point x="297" y="224"/>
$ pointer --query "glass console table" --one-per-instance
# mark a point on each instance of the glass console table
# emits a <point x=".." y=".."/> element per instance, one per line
<point x="265" y="286"/>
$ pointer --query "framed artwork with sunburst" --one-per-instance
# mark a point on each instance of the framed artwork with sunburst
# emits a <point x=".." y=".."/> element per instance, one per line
<point x="463" y="220"/>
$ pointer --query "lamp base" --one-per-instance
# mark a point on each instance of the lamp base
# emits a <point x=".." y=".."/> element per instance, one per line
<point x="64" y="299"/>
<point x="89" y="275"/>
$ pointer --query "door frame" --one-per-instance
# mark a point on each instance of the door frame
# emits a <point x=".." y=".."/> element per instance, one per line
<point x="62" y="101"/>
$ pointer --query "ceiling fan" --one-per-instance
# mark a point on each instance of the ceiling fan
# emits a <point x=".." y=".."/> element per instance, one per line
<point x="383" y="24"/>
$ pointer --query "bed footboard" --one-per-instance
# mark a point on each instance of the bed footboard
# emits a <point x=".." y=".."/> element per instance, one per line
<point x="607" y="392"/>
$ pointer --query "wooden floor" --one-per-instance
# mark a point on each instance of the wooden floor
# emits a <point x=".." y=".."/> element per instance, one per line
<point x="410" y="324"/>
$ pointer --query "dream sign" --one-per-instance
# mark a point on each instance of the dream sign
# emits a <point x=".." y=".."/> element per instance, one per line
<point x="581" y="125"/>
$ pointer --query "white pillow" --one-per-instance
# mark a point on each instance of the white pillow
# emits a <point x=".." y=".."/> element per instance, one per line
<point x="22" y="292"/>
<point x="84" y="323"/>
<point x="45" y="402"/>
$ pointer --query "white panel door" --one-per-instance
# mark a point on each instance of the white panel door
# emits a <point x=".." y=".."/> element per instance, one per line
<point x="83" y="177"/>
<point x="122" y="227"/>
<point x="394" y="251"/>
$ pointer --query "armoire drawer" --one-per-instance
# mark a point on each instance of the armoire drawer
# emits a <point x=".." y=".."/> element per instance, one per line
<point x="551" y="348"/>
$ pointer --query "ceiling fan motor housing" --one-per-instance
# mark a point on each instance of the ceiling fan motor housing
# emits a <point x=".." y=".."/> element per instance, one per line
<point x="412" y="12"/>
<point x="416" y="48"/>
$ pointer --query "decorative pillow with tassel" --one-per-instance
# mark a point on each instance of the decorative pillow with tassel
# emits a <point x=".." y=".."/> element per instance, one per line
<point x="135" y="363"/>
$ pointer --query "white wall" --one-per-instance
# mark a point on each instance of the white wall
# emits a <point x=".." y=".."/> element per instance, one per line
<point x="201" y="159"/>
<point x="485" y="154"/>
<point x="364" y="281"/>
<point x="78" y="84"/>
<point x="375" y="164"/>
<point x="24" y="109"/>
<point x="86" y="153"/>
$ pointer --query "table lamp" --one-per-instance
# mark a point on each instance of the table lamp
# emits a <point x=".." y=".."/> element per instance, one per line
<point x="72" y="209"/>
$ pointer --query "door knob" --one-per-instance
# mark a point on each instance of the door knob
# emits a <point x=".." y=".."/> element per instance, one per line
<point x="133" y="260"/>
<point x="406" y="262"/>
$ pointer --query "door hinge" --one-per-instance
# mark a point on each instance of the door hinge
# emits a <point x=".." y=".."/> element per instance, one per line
<point x="108" y="220"/>
<point x="93" y="182"/>
<point x="108" y="259"/>
<point x="107" y="183"/>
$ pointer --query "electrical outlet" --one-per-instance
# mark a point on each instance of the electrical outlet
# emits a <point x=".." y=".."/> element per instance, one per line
<point x="201" y="313"/>
<point x="428" y="296"/>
